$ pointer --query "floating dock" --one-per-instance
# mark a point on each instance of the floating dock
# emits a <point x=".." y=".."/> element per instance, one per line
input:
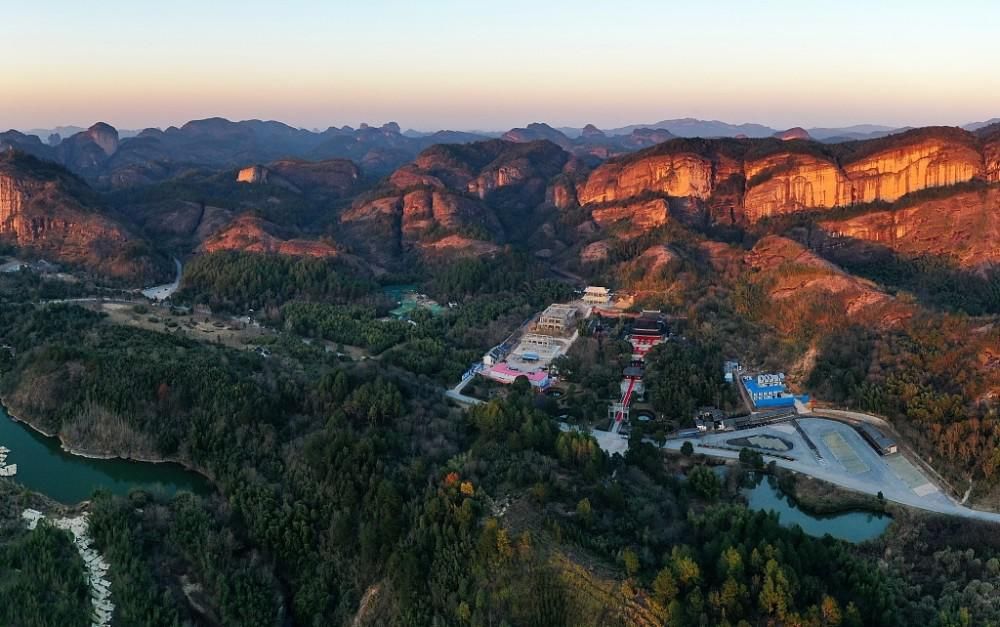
<point x="6" y="470"/>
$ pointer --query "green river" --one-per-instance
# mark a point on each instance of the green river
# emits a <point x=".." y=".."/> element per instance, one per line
<point x="42" y="466"/>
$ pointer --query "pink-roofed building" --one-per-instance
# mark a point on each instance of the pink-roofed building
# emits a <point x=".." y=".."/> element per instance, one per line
<point x="504" y="373"/>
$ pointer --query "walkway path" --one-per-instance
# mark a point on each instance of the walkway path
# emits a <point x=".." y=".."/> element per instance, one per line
<point x="616" y="424"/>
<point x="456" y="395"/>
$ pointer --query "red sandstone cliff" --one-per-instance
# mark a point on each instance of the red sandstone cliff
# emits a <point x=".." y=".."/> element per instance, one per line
<point x="42" y="214"/>
<point x="783" y="178"/>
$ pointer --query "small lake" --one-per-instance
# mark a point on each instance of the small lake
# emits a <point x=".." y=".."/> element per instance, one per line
<point x="42" y="466"/>
<point x="850" y="526"/>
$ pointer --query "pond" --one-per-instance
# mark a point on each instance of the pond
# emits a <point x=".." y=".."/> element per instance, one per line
<point x="854" y="527"/>
<point x="42" y="466"/>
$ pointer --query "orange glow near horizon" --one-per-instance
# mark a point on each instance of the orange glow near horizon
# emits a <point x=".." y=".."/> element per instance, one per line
<point x="444" y="65"/>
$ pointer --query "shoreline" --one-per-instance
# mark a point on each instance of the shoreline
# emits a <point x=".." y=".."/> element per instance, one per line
<point x="808" y="506"/>
<point x="86" y="454"/>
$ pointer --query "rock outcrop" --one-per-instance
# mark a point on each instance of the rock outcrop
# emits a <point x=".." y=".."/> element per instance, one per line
<point x="803" y="288"/>
<point x="642" y="216"/>
<point x="793" y="133"/>
<point x="252" y="234"/>
<point x="991" y="155"/>
<point x="88" y="152"/>
<point x="254" y="174"/>
<point x="595" y="252"/>
<point x="424" y="209"/>
<point x="336" y="177"/>
<point x="890" y="174"/>
<point x="679" y="174"/>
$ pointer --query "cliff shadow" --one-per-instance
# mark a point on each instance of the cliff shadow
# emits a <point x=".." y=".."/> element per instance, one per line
<point x="937" y="282"/>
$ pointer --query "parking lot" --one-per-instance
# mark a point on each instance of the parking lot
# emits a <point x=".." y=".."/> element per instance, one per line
<point x="842" y="457"/>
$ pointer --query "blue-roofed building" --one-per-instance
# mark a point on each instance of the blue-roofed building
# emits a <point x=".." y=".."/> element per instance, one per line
<point x="767" y="390"/>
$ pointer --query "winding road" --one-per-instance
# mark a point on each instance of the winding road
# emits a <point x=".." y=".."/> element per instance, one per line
<point x="163" y="292"/>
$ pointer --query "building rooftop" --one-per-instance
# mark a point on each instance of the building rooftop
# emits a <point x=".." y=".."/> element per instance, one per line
<point x="559" y="311"/>
<point x="876" y="436"/>
<point x="632" y="372"/>
<point x="648" y="326"/>
<point x="505" y="369"/>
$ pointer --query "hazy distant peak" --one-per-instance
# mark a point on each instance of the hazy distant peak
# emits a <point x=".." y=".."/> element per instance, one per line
<point x="796" y="132"/>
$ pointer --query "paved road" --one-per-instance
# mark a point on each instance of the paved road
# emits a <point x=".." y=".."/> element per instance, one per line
<point x="456" y="395"/>
<point x="163" y="292"/>
<point x="461" y="398"/>
<point x="877" y="477"/>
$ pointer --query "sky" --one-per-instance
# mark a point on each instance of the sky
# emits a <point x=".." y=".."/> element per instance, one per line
<point x="472" y="64"/>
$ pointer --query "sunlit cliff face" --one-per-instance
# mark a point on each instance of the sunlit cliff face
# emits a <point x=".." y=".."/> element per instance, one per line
<point x="890" y="175"/>
<point x="992" y="159"/>
<point x="792" y="181"/>
<point x="675" y="175"/>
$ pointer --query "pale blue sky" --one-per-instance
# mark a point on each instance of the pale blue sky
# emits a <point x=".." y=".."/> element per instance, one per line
<point x="491" y="65"/>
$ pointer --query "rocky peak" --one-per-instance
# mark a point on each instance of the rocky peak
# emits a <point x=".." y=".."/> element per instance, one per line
<point x="391" y="127"/>
<point x="252" y="234"/>
<point x="538" y="131"/>
<point x="796" y="132"/>
<point x="590" y="132"/>
<point x="105" y="136"/>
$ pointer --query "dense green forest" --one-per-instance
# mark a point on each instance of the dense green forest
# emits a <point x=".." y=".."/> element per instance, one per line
<point x="350" y="491"/>
<point x="340" y="479"/>
<point x="42" y="576"/>
<point x="237" y="281"/>
<point x="683" y="376"/>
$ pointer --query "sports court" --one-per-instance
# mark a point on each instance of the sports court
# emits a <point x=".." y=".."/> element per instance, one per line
<point x="844" y="453"/>
<point x="910" y="475"/>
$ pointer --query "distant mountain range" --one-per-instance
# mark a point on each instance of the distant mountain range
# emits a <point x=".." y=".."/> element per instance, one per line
<point x="678" y="127"/>
<point x="379" y="195"/>
<point x="691" y="127"/>
<point x="109" y="158"/>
